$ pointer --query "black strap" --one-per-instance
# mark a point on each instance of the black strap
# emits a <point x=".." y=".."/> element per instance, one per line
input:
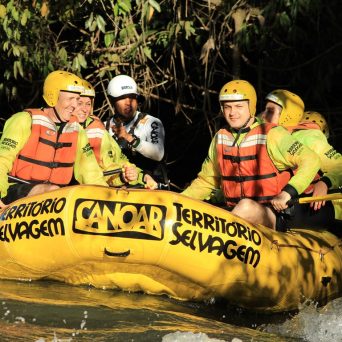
<point x="241" y="130"/>
<point x="140" y="116"/>
<point x="57" y="115"/>
<point x="241" y="179"/>
<point x="238" y="159"/>
<point x="108" y="122"/>
<point x="50" y="165"/>
<point x="55" y="145"/>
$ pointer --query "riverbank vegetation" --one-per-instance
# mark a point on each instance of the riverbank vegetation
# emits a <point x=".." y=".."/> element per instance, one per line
<point x="180" y="52"/>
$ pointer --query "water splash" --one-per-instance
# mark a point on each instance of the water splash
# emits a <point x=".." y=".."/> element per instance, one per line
<point x="313" y="324"/>
<point x="191" y="337"/>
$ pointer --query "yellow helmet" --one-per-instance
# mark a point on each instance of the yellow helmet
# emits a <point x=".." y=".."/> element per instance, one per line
<point x="89" y="90"/>
<point x="239" y="90"/>
<point x="58" y="81"/>
<point x="292" y="106"/>
<point x="318" y="119"/>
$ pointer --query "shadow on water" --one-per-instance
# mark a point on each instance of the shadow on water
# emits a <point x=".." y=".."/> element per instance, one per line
<point x="51" y="311"/>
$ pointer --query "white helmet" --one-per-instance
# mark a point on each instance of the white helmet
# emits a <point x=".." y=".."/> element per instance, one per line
<point x="122" y="85"/>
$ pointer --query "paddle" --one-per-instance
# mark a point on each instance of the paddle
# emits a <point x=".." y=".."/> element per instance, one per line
<point x="112" y="172"/>
<point x="333" y="194"/>
<point x="18" y="180"/>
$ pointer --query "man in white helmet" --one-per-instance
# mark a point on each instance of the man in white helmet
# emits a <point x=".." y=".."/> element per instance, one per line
<point x="42" y="149"/>
<point x="251" y="162"/>
<point x="107" y="152"/>
<point x="141" y="136"/>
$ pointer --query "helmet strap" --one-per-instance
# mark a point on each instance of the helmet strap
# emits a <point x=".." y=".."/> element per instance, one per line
<point x="57" y="115"/>
<point x="242" y="129"/>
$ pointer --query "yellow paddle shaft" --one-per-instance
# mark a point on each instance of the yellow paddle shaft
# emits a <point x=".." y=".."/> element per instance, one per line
<point x="328" y="197"/>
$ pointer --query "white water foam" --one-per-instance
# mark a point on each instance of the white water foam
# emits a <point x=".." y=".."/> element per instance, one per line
<point x="191" y="337"/>
<point x="313" y="324"/>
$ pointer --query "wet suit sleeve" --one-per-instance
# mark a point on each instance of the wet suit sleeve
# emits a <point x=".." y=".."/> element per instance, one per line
<point x="208" y="178"/>
<point x="152" y="139"/>
<point x="287" y="152"/>
<point x="16" y="133"/>
<point x="331" y="160"/>
<point x="86" y="169"/>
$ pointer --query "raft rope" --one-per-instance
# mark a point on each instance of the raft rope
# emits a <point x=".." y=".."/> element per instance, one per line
<point x="321" y="252"/>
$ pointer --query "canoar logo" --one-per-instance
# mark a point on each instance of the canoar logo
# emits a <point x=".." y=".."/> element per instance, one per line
<point x="130" y="220"/>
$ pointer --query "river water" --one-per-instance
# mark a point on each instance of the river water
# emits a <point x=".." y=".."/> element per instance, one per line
<point x="50" y="311"/>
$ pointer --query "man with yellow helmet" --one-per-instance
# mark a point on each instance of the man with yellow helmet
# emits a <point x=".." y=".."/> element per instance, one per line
<point x="250" y="161"/>
<point x="317" y="119"/>
<point x="107" y="152"/>
<point x="283" y="108"/>
<point x="311" y="129"/>
<point x="42" y="149"/>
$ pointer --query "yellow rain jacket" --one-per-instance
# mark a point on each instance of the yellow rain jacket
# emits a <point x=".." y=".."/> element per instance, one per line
<point x="16" y="133"/>
<point x="331" y="160"/>
<point x="110" y="156"/>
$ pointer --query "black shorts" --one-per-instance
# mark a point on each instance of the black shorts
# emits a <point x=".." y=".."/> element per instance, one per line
<point x="303" y="216"/>
<point x="17" y="191"/>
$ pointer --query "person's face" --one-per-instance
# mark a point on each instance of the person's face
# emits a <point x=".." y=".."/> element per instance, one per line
<point x="66" y="104"/>
<point x="126" y="107"/>
<point x="236" y="113"/>
<point x="84" y="108"/>
<point x="272" y="112"/>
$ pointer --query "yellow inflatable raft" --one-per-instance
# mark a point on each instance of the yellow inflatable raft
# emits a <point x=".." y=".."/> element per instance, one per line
<point x="161" y="242"/>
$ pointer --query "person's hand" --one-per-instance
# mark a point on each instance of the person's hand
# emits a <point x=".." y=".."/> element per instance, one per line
<point x="130" y="173"/>
<point x="319" y="189"/>
<point x="150" y="183"/>
<point x="2" y="205"/>
<point x="120" y="132"/>
<point x="279" y="202"/>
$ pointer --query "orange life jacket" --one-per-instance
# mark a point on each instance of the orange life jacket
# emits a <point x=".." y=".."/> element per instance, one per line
<point x="49" y="155"/>
<point x="95" y="131"/>
<point x="247" y="171"/>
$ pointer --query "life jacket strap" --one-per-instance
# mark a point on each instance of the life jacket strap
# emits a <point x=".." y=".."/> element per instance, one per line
<point x="50" y="165"/>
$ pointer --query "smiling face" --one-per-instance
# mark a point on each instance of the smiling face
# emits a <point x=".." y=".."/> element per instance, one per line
<point x="236" y="113"/>
<point x="66" y="104"/>
<point x="84" y="109"/>
<point x="272" y="112"/>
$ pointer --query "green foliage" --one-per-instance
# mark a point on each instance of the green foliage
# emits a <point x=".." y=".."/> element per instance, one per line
<point x="40" y="36"/>
<point x="180" y="52"/>
<point x="24" y="47"/>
